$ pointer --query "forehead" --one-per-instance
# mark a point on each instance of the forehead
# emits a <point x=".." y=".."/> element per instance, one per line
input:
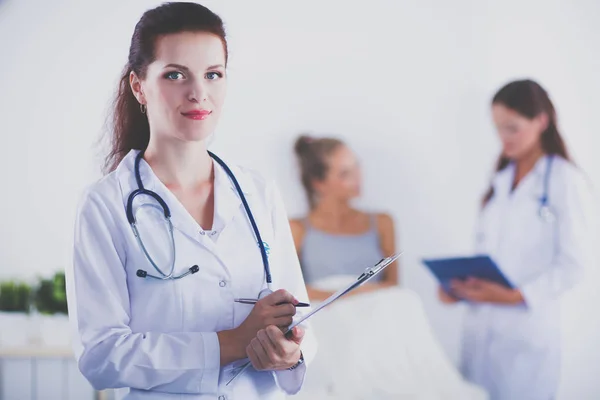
<point x="195" y="50"/>
<point x="342" y="156"/>
<point x="504" y="114"/>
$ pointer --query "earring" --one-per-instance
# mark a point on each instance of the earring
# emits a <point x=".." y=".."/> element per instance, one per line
<point x="143" y="108"/>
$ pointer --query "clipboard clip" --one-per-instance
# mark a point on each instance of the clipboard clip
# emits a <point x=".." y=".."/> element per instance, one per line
<point x="384" y="262"/>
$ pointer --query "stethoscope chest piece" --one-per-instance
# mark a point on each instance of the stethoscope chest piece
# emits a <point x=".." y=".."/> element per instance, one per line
<point x="546" y="214"/>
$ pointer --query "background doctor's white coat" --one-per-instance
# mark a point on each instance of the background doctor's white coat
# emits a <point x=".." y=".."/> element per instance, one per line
<point x="406" y="83"/>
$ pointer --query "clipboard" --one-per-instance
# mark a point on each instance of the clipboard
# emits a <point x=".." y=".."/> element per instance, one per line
<point x="368" y="273"/>
<point x="482" y="267"/>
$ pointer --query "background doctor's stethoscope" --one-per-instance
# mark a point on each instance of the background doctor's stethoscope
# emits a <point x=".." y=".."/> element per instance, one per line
<point x="544" y="211"/>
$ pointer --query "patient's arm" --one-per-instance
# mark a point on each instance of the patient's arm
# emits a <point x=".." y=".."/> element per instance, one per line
<point x="317" y="294"/>
<point x="387" y="242"/>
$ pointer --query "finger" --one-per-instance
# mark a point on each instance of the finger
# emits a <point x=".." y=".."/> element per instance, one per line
<point x="281" y="321"/>
<point x="298" y="334"/>
<point x="446" y="297"/>
<point x="475" y="281"/>
<point x="269" y="344"/>
<point x="472" y="283"/>
<point x="280" y="296"/>
<point x="251" y="354"/>
<point x="277" y="338"/>
<point x="260" y="352"/>
<point x="284" y="310"/>
<point x="472" y="294"/>
<point x="465" y="292"/>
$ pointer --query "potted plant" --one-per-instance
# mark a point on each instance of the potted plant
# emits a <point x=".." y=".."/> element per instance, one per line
<point x="50" y="301"/>
<point x="50" y="295"/>
<point x="15" y="304"/>
<point x="15" y="297"/>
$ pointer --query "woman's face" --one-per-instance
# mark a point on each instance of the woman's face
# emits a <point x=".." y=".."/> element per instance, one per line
<point x="343" y="179"/>
<point x="519" y="135"/>
<point x="184" y="87"/>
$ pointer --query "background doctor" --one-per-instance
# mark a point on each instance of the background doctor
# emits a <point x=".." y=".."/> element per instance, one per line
<point x="533" y="224"/>
<point x="165" y="337"/>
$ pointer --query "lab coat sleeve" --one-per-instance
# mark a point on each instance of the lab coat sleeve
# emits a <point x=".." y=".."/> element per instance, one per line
<point x="109" y="354"/>
<point x="286" y="258"/>
<point x="571" y="208"/>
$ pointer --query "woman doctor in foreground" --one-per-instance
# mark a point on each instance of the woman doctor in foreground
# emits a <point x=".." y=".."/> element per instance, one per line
<point x="533" y="225"/>
<point x="169" y="239"/>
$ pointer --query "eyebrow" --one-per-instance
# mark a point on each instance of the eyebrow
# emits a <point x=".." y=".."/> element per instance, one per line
<point x="183" y="67"/>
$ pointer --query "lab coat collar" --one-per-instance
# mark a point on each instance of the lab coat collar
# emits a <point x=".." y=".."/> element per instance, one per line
<point x="227" y="198"/>
<point x="504" y="179"/>
<point x="227" y="201"/>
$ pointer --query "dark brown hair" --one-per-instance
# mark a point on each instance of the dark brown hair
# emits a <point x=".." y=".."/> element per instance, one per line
<point x="312" y="156"/>
<point x="529" y="99"/>
<point x="129" y="126"/>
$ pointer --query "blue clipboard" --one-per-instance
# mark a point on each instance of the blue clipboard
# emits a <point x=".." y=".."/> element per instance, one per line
<point x="460" y="268"/>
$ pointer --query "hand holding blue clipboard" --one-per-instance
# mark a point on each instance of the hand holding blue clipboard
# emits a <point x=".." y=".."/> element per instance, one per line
<point x="461" y="268"/>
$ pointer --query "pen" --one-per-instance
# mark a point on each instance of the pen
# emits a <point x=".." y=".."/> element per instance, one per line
<point x="253" y="301"/>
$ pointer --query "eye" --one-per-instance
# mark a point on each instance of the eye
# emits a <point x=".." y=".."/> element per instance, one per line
<point x="174" y="75"/>
<point x="213" y="75"/>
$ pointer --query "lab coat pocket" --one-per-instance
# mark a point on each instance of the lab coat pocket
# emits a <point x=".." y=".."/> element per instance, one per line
<point x="518" y="325"/>
<point x="534" y="234"/>
<point x="154" y="304"/>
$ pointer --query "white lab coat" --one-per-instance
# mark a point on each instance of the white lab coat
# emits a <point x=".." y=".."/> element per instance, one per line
<point x="158" y="338"/>
<point x="514" y="351"/>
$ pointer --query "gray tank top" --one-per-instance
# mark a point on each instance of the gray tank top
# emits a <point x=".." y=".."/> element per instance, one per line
<point x="325" y="254"/>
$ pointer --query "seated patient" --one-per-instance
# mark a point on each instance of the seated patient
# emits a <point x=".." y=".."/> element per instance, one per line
<point x="335" y="239"/>
<point x="378" y="345"/>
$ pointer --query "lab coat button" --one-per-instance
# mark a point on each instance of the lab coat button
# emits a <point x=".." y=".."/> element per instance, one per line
<point x="222" y="397"/>
<point x="222" y="283"/>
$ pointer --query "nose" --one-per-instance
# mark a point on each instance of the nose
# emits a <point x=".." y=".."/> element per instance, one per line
<point x="198" y="92"/>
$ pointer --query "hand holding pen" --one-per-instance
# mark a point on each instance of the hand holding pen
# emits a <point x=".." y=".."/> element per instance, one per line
<point x="274" y="310"/>
<point x="278" y="308"/>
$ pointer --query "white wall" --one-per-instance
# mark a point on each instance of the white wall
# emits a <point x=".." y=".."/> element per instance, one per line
<point x="406" y="83"/>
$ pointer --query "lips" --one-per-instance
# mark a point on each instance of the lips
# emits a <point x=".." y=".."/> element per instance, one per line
<point x="197" y="114"/>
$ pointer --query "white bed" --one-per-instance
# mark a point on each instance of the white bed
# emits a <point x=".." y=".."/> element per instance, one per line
<point x="379" y="345"/>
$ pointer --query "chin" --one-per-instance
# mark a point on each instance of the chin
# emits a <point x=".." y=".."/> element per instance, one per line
<point x="353" y="195"/>
<point x="195" y="135"/>
<point x="510" y="154"/>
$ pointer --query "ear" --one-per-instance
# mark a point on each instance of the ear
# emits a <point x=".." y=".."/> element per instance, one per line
<point x="136" y="87"/>
<point x="318" y="186"/>
<point x="542" y="121"/>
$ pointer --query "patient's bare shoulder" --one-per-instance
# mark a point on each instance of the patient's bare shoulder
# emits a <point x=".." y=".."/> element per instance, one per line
<point x="298" y="228"/>
<point x="385" y="224"/>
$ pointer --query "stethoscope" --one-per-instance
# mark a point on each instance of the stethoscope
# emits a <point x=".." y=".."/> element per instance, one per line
<point x="544" y="211"/>
<point x="167" y="214"/>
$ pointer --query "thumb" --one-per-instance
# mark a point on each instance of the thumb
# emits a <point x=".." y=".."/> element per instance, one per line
<point x="297" y="335"/>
